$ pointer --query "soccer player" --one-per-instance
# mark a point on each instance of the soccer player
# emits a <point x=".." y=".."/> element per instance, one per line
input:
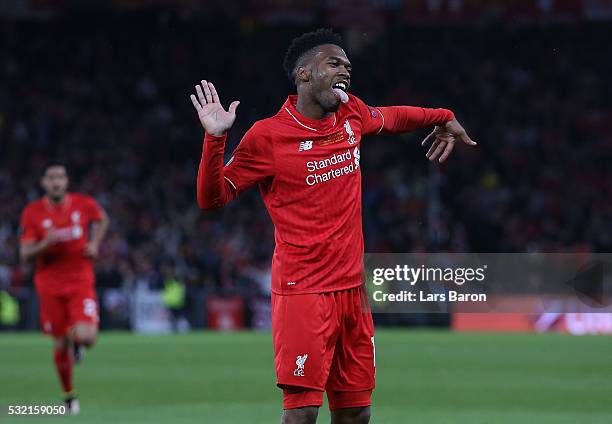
<point x="306" y="162"/>
<point x="55" y="231"/>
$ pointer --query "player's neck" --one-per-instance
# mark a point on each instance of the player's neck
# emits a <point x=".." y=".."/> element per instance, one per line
<point x="56" y="201"/>
<point x="310" y="108"/>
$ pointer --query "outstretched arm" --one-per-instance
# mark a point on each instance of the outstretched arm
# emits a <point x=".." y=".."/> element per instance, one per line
<point x="399" y="119"/>
<point x="252" y="162"/>
<point x="213" y="190"/>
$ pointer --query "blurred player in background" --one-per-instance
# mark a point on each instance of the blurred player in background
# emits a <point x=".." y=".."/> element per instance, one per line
<point x="305" y="160"/>
<point x="55" y="231"/>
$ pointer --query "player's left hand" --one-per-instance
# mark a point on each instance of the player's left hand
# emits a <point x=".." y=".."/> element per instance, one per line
<point x="91" y="250"/>
<point x="443" y="138"/>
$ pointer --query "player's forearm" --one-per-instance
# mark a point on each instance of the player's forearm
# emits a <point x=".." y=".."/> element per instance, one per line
<point x="399" y="119"/>
<point x="214" y="191"/>
<point x="99" y="229"/>
<point x="29" y="251"/>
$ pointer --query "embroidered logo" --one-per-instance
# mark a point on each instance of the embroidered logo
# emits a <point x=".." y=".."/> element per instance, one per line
<point x="300" y="361"/>
<point x="305" y="145"/>
<point x="349" y="131"/>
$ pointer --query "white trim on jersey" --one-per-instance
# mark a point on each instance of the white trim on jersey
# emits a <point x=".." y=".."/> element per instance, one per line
<point x="383" y="121"/>
<point x="296" y="120"/>
<point x="231" y="182"/>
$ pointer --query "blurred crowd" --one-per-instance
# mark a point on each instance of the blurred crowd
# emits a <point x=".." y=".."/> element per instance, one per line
<point x="109" y="97"/>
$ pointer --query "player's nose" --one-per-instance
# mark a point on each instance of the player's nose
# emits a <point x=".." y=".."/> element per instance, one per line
<point x="343" y="73"/>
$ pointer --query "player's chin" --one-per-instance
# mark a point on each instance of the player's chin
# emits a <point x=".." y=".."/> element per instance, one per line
<point x="332" y="104"/>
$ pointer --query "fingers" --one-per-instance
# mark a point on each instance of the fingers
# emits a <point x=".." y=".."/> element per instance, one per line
<point x="444" y="141"/>
<point x="447" y="151"/>
<point x="213" y="91"/>
<point x="233" y="107"/>
<point x="195" y="102"/>
<point x="429" y="138"/>
<point x="435" y="149"/>
<point x="207" y="93"/>
<point x="467" y="140"/>
<point x="200" y="94"/>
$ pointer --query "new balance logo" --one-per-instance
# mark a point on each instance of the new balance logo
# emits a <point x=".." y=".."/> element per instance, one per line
<point x="305" y="145"/>
<point x="300" y="361"/>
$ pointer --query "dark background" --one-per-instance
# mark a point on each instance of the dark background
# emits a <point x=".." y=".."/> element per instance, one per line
<point x="104" y="87"/>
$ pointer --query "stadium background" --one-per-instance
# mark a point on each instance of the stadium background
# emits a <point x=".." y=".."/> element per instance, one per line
<point x="103" y="86"/>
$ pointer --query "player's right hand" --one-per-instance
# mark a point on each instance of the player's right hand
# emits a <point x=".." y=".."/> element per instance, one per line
<point x="213" y="117"/>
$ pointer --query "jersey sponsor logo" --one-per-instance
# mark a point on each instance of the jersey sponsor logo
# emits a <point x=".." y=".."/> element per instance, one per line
<point x="75" y="217"/>
<point x="347" y="164"/>
<point x="291" y="283"/>
<point x="305" y="145"/>
<point x="74" y="232"/>
<point x="349" y="132"/>
<point x="300" y="361"/>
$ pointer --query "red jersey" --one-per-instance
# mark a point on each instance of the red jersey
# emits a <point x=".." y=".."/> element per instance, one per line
<point x="308" y="172"/>
<point x="62" y="266"/>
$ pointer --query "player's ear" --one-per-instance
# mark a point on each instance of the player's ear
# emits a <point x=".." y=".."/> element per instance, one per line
<point x="303" y="73"/>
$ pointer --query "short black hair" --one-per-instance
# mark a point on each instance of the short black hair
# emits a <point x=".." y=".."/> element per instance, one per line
<point x="53" y="164"/>
<point x="306" y="42"/>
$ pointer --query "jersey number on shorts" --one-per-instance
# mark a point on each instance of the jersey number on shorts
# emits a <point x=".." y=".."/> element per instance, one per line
<point x="89" y="308"/>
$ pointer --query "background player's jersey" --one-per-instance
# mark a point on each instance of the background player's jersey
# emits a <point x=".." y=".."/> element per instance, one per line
<point x="62" y="266"/>
<point x="309" y="175"/>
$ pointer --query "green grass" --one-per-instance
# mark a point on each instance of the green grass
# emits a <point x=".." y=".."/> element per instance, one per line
<point x="422" y="377"/>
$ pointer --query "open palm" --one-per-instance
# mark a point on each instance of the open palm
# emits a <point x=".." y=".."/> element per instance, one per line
<point x="213" y="117"/>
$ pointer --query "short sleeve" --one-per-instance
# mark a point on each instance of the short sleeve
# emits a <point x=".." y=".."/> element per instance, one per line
<point x="92" y="208"/>
<point x="372" y="120"/>
<point x="252" y="161"/>
<point x="27" y="227"/>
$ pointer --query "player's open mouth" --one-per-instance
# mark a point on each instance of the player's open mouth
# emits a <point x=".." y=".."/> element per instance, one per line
<point x="342" y="85"/>
<point x="339" y="88"/>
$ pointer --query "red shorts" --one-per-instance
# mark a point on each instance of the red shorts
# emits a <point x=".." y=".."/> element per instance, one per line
<point x="59" y="313"/>
<point x="324" y="342"/>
